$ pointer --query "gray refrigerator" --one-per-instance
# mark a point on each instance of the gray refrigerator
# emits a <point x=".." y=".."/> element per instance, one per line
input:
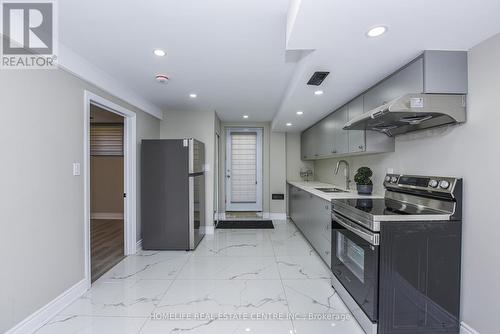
<point x="172" y="194"/>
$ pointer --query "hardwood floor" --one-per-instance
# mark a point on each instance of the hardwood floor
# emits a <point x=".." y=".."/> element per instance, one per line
<point x="107" y="247"/>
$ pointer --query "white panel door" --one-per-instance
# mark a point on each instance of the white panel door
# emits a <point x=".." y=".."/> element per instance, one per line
<point x="244" y="169"/>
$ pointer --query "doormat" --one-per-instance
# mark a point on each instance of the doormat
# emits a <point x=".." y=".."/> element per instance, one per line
<point x="248" y="224"/>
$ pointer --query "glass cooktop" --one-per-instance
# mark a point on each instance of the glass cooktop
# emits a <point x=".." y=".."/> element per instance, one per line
<point x="383" y="206"/>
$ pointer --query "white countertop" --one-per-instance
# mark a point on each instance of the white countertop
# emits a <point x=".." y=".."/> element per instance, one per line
<point x="310" y="186"/>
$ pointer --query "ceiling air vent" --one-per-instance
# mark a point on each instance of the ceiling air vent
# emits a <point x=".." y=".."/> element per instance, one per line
<point x="317" y="78"/>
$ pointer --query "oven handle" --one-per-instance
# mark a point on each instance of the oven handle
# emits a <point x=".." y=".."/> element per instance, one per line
<point x="372" y="238"/>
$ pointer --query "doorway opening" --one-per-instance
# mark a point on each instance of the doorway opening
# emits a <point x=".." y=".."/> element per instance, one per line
<point x="110" y="190"/>
<point x="244" y="173"/>
<point x="107" y="179"/>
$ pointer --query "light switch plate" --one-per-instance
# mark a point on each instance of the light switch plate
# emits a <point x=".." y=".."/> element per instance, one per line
<point x="76" y="169"/>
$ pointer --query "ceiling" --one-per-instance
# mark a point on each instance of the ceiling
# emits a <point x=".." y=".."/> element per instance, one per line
<point x="245" y="58"/>
<point x="230" y="53"/>
<point x="336" y="32"/>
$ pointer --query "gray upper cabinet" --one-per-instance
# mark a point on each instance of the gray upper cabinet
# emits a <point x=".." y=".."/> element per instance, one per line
<point x="433" y="72"/>
<point x="327" y="144"/>
<point x="445" y="72"/>
<point x="356" y="137"/>
<point x="309" y="141"/>
<point x="341" y="135"/>
<point x="409" y="79"/>
<point x="333" y="138"/>
<point x="326" y="138"/>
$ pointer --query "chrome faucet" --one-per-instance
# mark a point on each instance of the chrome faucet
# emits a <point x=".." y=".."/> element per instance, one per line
<point x="347" y="173"/>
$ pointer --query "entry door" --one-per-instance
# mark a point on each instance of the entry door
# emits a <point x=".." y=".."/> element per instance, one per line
<point x="244" y="169"/>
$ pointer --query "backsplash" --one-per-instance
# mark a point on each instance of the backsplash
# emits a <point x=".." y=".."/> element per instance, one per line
<point x="324" y="170"/>
<point x="419" y="153"/>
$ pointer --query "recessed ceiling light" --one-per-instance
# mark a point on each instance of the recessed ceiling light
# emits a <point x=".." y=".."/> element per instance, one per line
<point x="245" y="116"/>
<point x="318" y="92"/>
<point x="193" y="95"/>
<point x="300" y="112"/>
<point x="288" y="124"/>
<point x="159" y="52"/>
<point x="376" y="31"/>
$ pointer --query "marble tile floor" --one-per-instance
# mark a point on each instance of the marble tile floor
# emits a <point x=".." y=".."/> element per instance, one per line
<point x="236" y="281"/>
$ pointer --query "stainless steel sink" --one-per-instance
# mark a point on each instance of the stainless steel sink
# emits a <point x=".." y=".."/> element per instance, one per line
<point x="331" y="190"/>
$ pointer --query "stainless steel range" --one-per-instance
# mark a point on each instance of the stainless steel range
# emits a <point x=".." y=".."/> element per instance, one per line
<point x="396" y="260"/>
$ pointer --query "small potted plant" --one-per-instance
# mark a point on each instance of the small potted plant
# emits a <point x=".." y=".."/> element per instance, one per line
<point x="363" y="181"/>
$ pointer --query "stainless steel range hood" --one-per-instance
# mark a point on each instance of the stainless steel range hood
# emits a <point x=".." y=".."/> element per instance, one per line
<point x="412" y="112"/>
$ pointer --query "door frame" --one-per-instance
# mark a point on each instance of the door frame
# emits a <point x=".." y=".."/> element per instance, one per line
<point x="216" y="176"/>
<point x="257" y="207"/>
<point x="130" y="162"/>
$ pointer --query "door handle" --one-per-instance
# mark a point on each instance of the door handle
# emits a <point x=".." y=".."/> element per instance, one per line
<point x="372" y="238"/>
<point x="228" y="176"/>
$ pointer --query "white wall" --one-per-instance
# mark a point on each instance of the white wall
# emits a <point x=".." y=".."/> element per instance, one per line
<point x="200" y="125"/>
<point x="148" y="127"/>
<point x="41" y="213"/>
<point x="293" y="162"/>
<point x="469" y="151"/>
<point x="277" y="171"/>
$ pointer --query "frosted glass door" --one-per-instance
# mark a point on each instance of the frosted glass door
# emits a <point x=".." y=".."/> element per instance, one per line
<point x="243" y="170"/>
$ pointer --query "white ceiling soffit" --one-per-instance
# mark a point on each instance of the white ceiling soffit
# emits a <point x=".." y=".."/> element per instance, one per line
<point x="230" y="53"/>
<point x="336" y="31"/>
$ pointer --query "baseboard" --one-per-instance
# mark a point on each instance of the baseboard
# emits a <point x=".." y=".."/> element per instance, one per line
<point x="209" y="229"/>
<point x="265" y="215"/>
<point x="106" y="215"/>
<point x="46" y="313"/>
<point x="138" y="246"/>
<point x="466" y="329"/>
<point x="277" y="216"/>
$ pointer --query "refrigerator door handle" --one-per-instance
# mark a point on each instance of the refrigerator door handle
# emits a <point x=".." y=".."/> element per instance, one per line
<point x="191" y="155"/>
<point x="197" y="219"/>
<point x="191" y="212"/>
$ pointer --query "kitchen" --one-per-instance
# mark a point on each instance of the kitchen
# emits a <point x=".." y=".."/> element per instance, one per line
<point x="371" y="153"/>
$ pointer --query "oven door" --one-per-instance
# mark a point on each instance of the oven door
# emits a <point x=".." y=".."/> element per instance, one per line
<point x="355" y="262"/>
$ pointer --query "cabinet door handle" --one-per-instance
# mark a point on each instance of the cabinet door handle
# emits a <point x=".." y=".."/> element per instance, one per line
<point x="360" y="147"/>
<point x="334" y="152"/>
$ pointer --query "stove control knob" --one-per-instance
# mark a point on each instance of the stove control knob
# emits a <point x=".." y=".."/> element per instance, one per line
<point x="387" y="178"/>
<point x="444" y="184"/>
<point x="394" y="179"/>
<point x="433" y="183"/>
